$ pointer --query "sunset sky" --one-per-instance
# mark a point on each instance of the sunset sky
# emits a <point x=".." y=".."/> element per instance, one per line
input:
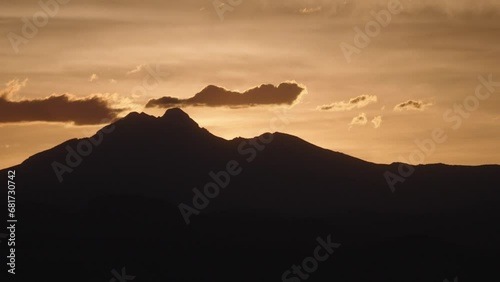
<point x="91" y="61"/>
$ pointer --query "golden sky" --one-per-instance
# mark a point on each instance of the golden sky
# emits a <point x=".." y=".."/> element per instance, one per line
<point x="367" y="78"/>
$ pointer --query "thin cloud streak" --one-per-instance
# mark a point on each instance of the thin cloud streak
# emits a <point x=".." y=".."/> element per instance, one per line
<point x="412" y="105"/>
<point x="354" y="103"/>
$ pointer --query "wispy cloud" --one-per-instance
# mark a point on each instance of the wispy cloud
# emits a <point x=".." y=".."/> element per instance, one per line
<point x="354" y="103"/>
<point x="412" y="105"/>
<point x="136" y="69"/>
<point x="377" y="121"/>
<point x="12" y="87"/>
<point x="310" y="10"/>
<point x="359" y="120"/>
<point x="93" y="77"/>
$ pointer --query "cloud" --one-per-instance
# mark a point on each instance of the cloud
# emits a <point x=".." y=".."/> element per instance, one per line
<point x="448" y="9"/>
<point x="12" y="87"/>
<point x="93" y="77"/>
<point x="412" y="105"/>
<point x="360" y="120"/>
<point x="213" y="96"/>
<point x="310" y="10"/>
<point x="357" y="102"/>
<point x="337" y="9"/>
<point x="377" y="121"/>
<point x="136" y="70"/>
<point x="93" y="109"/>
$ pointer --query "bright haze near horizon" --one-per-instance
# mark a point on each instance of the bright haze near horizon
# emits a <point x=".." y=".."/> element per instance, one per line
<point x="420" y="72"/>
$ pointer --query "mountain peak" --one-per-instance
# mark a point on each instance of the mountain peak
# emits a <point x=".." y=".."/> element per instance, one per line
<point x="174" y="118"/>
<point x="175" y="113"/>
<point x="178" y="117"/>
<point x="136" y="118"/>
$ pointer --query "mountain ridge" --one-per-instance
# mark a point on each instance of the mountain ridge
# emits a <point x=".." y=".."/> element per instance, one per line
<point x="120" y="194"/>
<point x="176" y="119"/>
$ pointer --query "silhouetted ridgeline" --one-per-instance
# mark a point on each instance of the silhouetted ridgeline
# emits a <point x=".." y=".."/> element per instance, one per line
<point x="91" y="205"/>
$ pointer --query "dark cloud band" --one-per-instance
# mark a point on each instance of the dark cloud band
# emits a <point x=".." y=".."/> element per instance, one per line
<point x="214" y="96"/>
<point x="62" y="108"/>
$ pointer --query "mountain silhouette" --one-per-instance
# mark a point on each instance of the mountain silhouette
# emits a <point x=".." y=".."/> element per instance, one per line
<point x="126" y="197"/>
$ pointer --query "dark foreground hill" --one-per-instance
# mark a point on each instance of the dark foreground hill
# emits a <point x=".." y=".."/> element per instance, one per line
<point x="125" y="198"/>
